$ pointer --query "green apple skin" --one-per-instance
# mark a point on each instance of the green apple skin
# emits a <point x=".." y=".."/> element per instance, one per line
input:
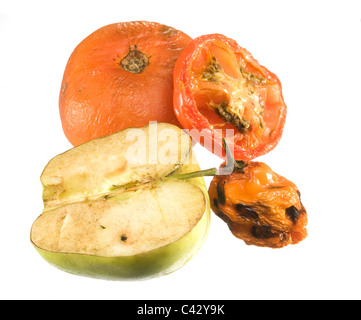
<point x="151" y="264"/>
<point x="144" y="266"/>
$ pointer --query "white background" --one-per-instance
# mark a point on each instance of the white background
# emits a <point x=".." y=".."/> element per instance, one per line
<point x="315" y="49"/>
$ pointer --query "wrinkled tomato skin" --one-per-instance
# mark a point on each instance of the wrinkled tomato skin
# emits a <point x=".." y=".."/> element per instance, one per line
<point x="185" y="105"/>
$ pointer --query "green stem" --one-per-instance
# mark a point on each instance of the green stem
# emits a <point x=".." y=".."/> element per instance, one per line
<point x="228" y="168"/>
<point x="231" y="166"/>
<point x="196" y="174"/>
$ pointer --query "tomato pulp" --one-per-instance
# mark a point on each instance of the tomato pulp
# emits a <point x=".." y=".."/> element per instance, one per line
<point x="221" y="91"/>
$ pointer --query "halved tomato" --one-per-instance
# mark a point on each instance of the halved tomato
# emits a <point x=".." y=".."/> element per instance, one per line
<point x="220" y="90"/>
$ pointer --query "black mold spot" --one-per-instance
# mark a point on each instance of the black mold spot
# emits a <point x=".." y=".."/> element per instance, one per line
<point x="215" y="203"/>
<point x="293" y="213"/>
<point x="246" y="212"/>
<point x="221" y="195"/>
<point x="263" y="232"/>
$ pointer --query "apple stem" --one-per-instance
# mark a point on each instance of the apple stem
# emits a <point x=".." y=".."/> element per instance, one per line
<point x="231" y="166"/>
<point x="196" y="174"/>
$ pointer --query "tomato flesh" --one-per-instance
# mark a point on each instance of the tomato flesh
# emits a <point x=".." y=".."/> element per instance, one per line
<point x="220" y="87"/>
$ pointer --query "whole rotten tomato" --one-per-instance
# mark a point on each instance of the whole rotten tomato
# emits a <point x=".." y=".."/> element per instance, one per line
<point x="120" y="76"/>
<point x="220" y="90"/>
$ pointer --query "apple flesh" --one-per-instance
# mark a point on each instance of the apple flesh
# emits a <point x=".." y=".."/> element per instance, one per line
<point x="107" y="218"/>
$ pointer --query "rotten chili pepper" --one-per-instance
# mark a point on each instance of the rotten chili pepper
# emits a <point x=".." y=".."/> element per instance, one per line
<point x="259" y="206"/>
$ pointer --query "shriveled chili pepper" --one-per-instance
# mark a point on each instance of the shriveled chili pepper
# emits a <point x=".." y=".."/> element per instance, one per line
<point x="260" y="207"/>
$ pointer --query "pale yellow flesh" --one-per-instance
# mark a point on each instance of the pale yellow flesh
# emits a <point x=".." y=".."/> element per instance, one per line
<point x="96" y="166"/>
<point x="148" y="219"/>
<point x="161" y="261"/>
<point x="105" y="217"/>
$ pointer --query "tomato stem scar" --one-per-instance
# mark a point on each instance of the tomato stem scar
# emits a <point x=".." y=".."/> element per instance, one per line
<point x="135" y="61"/>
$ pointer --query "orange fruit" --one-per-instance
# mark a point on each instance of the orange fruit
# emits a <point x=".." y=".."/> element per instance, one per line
<point x="120" y="76"/>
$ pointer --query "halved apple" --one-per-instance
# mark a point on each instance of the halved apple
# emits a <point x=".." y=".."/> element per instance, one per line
<point x="112" y="209"/>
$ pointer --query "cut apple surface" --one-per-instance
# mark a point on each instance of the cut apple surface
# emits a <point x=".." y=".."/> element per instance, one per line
<point x="131" y="156"/>
<point x="107" y="216"/>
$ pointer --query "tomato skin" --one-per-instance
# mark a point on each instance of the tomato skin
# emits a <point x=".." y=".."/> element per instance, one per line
<point x="185" y="104"/>
<point x="100" y="94"/>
